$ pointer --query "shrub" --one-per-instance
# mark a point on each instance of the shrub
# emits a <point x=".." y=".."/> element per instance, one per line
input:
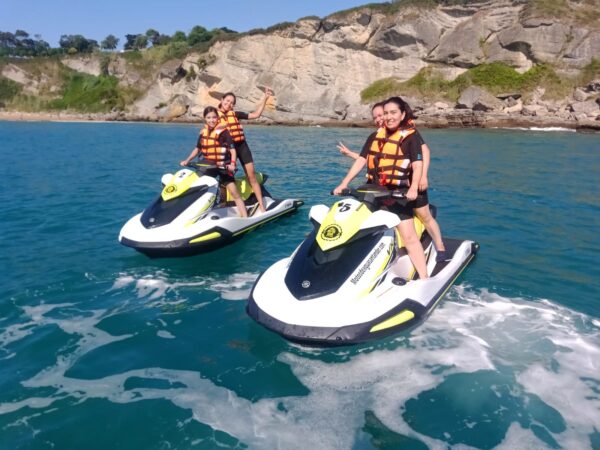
<point x="8" y="89"/>
<point x="87" y="93"/>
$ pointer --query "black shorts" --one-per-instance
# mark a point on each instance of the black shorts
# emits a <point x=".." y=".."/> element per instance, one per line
<point x="401" y="209"/>
<point x="422" y="200"/>
<point x="243" y="152"/>
<point x="225" y="177"/>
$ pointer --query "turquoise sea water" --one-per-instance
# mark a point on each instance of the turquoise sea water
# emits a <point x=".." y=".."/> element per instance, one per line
<point x="101" y="347"/>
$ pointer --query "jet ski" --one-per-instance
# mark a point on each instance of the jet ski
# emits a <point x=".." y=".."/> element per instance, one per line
<point x="193" y="214"/>
<point x="351" y="279"/>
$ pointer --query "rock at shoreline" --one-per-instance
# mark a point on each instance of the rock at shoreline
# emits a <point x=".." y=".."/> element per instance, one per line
<point x="477" y="99"/>
<point x="590" y="108"/>
<point x="580" y="95"/>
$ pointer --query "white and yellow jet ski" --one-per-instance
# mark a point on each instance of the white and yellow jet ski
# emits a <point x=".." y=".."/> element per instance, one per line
<point x="192" y="215"/>
<point x="351" y="280"/>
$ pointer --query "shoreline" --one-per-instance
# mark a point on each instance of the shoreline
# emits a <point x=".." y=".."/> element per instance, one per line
<point x="458" y="118"/>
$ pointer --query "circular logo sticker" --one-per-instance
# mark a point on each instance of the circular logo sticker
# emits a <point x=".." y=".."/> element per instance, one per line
<point x="331" y="232"/>
<point x="306" y="284"/>
<point x="171" y="189"/>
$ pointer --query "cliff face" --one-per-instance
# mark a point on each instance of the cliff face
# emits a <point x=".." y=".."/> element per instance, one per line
<point x="318" y="67"/>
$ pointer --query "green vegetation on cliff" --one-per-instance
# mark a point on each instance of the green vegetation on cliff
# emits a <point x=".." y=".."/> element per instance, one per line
<point x="494" y="77"/>
<point x="90" y="94"/>
<point x="56" y="87"/>
<point x="584" y="12"/>
<point x="8" y="89"/>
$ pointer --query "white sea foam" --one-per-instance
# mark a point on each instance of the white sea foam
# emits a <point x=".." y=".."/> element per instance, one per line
<point x="553" y="352"/>
<point x="156" y="286"/>
<point x="164" y="334"/>
<point x="549" y="129"/>
<point x="236" y="286"/>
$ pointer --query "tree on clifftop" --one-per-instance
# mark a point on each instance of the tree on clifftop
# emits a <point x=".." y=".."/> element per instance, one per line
<point x="199" y="34"/>
<point x="179" y="36"/>
<point x="110" y="42"/>
<point x="141" y="41"/>
<point x="76" y="43"/>
<point x="157" y="38"/>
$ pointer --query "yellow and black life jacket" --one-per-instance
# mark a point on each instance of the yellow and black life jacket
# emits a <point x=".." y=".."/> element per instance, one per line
<point x="211" y="148"/>
<point x="386" y="164"/>
<point x="230" y="120"/>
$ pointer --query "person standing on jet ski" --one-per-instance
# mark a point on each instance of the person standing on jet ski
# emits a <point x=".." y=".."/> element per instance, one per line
<point x="421" y="205"/>
<point x="377" y="114"/>
<point x="230" y="119"/>
<point x="216" y="146"/>
<point x="395" y="160"/>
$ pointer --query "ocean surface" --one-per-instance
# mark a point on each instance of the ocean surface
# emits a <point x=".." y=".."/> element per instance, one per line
<point x="103" y="348"/>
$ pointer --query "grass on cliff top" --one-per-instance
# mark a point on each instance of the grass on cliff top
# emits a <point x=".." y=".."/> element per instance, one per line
<point x="583" y="12"/>
<point x="496" y="78"/>
<point x="394" y="6"/>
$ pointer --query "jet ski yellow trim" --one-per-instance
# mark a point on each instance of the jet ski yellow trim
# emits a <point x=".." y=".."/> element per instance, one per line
<point x="404" y="316"/>
<point x="207" y="237"/>
<point x="193" y="220"/>
<point x="177" y="186"/>
<point x="333" y="234"/>
<point x="245" y="230"/>
<point x="379" y="272"/>
<point x="244" y="187"/>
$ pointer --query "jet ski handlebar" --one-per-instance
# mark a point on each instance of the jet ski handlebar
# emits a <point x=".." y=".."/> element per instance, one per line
<point x="373" y="195"/>
<point x="375" y="192"/>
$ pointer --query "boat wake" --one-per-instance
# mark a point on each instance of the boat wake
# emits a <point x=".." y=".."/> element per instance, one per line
<point x="529" y="367"/>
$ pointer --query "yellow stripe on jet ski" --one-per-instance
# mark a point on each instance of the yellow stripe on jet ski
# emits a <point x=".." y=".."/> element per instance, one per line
<point x="207" y="237"/>
<point x="245" y="230"/>
<point x="379" y="271"/>
<point x="404" y="316"/>
<point x="193" y="220"/>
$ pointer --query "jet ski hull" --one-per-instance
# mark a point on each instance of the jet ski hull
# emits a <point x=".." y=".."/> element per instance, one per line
<point x="208" y="239"/>
<point x="404" y="314"/>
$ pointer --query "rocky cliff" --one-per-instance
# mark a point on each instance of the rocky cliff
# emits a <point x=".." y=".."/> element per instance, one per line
<point x="318" y="67"/>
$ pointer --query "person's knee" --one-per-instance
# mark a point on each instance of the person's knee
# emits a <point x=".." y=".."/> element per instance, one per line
<point x="410" y="239"/>
<point x="424" y="215"/>
<point x="234" y="193"/>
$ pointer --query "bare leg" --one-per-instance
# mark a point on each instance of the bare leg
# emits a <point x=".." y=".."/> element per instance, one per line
<point x="232" y="188"/>
<point x="413" y="247"/>
<point x="431" y="226"/>
<point x="249" y="169"/>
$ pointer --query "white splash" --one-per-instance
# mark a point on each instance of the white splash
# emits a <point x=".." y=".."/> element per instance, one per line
<point x="553" y="352"/>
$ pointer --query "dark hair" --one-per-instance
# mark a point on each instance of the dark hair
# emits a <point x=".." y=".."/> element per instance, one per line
<point x="210" y="109"/>
<point x="377" y="105"/>
<point x="226" y="94"/>
<point x="404" y="107"/>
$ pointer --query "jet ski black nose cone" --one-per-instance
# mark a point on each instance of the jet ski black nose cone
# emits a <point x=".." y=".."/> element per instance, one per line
<point x="399" y="281"/>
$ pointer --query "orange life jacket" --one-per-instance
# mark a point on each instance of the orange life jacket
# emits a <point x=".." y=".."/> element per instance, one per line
<point x="386" y="164"/>
<point x="230" y="120"/>
<point x="211" y="148"/>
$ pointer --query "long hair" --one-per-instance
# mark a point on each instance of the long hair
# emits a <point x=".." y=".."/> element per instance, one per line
<point x="210" y="109"/>
<point x="227" y="94"/>
<point x="404" y="107"/>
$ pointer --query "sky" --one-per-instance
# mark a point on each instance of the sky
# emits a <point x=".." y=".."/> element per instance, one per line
<point x="97" y="19"/>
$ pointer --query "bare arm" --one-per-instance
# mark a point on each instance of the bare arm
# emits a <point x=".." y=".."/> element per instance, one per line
<point x="261" y="106"/>
<point x="424" y="183"/>
<point x="417" y="171"/>
<point x="354" y="170"/>
<point x="231" y="166"/>
<point x="347" y="152"/>
<point x="186" y="161"/>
